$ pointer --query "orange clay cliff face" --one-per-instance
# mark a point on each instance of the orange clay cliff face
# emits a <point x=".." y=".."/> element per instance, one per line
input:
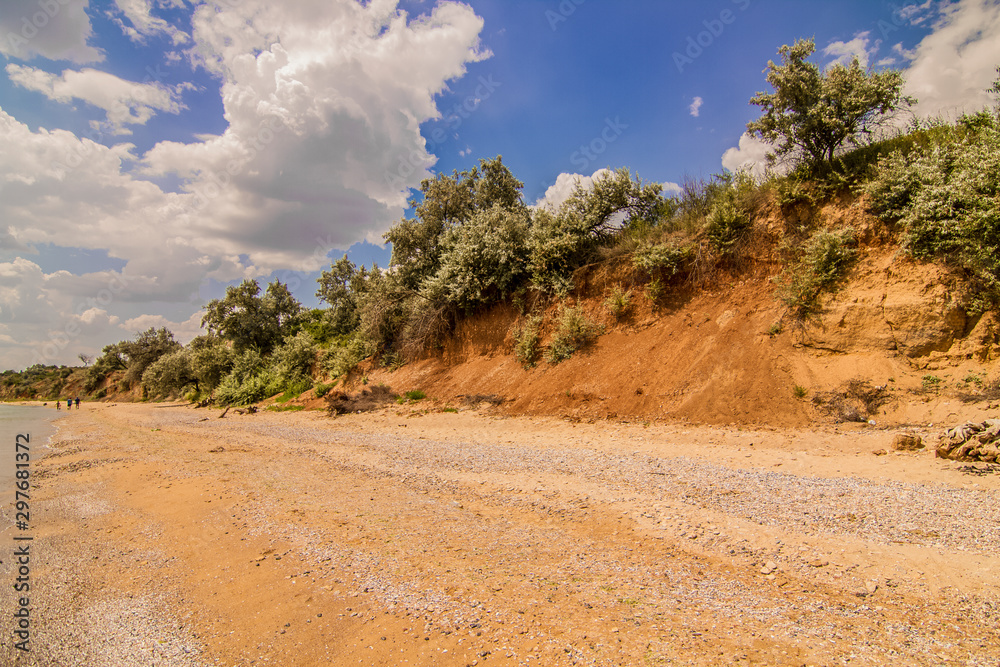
<point x="893" y="345"/>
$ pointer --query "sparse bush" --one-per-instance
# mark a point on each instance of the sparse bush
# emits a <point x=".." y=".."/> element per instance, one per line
<point x="654" y="290"/>
<point x="618" y="302"/>
<point x="250" y="381"/>
<point x="972" y="378"/>
<point x="980" y="390"/>
<point x="692" y="205"/>
<point x="293" y="360"/>
<point x="661" y="258"/>
<point x="527" y="340"/>
<point x="855" y="401"/>
<point x="251" y="390"/>
<point x="411" y="396"/>
<point x="573" y="332"/>
<point x="475" y="399"/>
<point x="931" y="383"/>
<point x="393" y="361"/>
<point x="341" y="359"/>
<point x="799" y="391"/>
<point x="294" y="390"/>
<point x="428" y="323"/>
<point x="56" y="389"/>
<point x="285" y="408"/>
<point x="825" y="261"/>
<point x="793" y="189"/>
<point x="322" y="389"/>
<point x="727" y="223"/>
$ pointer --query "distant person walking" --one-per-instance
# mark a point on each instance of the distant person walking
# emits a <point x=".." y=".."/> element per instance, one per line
<point x="69" y="403"/>
<point x="77" y="402"/>
<point x="59" y="404"/>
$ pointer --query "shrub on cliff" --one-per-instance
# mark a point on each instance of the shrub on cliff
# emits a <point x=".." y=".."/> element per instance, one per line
<point x="946" y="197"/>
<point x="825" y="260"/>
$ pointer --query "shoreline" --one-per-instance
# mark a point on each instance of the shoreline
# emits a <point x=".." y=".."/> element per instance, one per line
<point x="532" y="540"/>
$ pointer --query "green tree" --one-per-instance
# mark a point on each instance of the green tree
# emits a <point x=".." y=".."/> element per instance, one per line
<point x="293" y="360"/>
<point x="170" y="373"/>
<point x="112" y="359"/>
<point x="211" y="360"/>
<point x="145" y="349"/>
<point x="483" y="259"/>
<point x="811" y="114"/>
<point x="250" y="320"/>
<point x="446" y="202"/>
<point x="340" y="287"/>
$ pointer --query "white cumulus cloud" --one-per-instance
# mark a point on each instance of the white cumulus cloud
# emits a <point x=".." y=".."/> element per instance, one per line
<point x="183" y="331"/>
<point x="844" y="53"/>
<point x="126" y="102"/>
<point x="750" y="155"/>
<point x="57" y="31"/>
<point x="566" y="185"/>
<point x="323" y="102"/>
<point x="951" y="69"/>
<point x="144" y="24"/>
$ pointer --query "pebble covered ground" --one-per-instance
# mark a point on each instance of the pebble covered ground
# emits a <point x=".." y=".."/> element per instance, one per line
<point x="166" y="538"/>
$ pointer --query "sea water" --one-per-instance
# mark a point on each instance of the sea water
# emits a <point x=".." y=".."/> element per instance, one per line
<point x="36" y="422"/>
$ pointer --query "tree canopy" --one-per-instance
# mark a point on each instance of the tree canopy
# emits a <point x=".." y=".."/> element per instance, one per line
<point x="448" y="201"/>
<point x="339" y="287"/>
<point x="812" y="114"/>
<point x="250" y="320"/>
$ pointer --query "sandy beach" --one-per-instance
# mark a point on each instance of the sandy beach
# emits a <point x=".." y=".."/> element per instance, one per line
<point x="166" y="535"/>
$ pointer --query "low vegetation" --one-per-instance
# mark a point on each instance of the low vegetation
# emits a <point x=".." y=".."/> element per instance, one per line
<point x="574" y="331"/>
<point x="823" y="263"/>
<point x="618" y="302"/>
<point x="528" y="340"/>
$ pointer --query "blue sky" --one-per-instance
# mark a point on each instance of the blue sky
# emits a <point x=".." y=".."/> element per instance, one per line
<point x="155" y="151"/>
